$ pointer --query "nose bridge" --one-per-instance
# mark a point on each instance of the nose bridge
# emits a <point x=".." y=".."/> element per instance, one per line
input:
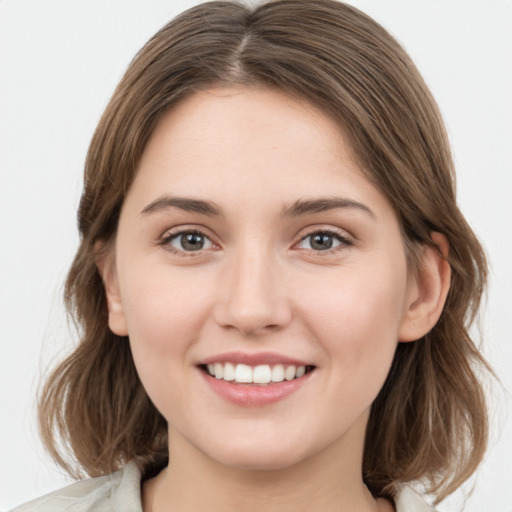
<point x="254" y="298"/>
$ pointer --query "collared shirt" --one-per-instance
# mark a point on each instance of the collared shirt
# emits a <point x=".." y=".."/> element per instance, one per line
<point x="120" y="492"/>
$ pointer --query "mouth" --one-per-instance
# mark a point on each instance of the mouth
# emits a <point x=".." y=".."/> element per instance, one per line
<point x="259" y="375"/>
<point x="257" y="379"/>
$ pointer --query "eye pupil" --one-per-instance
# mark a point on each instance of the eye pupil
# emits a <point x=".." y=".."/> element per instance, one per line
<point x="192" y="241"/>
<point x="321" y="242"/>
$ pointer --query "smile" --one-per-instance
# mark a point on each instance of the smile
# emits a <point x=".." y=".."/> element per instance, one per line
<point x="263" y="374"/>
<point x="255" y="380"/>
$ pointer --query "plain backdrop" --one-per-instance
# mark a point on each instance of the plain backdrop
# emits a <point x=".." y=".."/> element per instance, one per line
<point x="59" y="63"/>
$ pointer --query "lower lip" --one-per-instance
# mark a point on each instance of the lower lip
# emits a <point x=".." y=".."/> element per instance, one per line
<point x="254" y="395"/>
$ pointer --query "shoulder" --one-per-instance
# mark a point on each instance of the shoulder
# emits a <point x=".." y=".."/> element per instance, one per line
<point x="408" y="500"/>
<point x="118" y="491"/>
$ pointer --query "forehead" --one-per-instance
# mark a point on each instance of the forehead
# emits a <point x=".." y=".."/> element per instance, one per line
<point x="249" y="143"/>
<point x="254" y="118"/>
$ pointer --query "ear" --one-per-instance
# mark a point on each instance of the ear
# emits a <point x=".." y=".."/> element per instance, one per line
<point x="427" y="291"/>
<point x="105" y="262"/>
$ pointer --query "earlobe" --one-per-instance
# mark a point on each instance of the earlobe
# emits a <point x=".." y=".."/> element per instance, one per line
<point x="427" y="294"/>
<point x="105" y="263"/>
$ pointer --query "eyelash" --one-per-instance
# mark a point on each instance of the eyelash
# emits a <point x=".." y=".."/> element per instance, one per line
<point x="166" y="240"/>
<point x="344" y="241"/>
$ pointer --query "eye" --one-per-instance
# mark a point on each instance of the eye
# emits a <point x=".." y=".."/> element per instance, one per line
<point x="324" y="241"/>
<point x="187" y="241"/>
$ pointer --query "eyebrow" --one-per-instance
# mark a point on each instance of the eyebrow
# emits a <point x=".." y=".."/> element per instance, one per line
<point x="183" y="203"/>
<point x="298" y="208"/>
<point x="309" y="206"/>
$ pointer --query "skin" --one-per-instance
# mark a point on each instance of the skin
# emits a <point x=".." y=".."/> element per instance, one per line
<point x="257" y="285"/>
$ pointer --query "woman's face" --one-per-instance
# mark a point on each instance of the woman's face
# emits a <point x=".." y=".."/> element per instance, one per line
<point x="251" y="247"/>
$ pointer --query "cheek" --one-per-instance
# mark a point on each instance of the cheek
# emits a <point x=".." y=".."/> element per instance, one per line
<point x="165" y="316"/>
<point x="357" y="317"/>
<point x="164" y="308"/>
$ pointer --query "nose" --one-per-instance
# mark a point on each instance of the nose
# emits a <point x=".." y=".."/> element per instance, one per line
<point x="253" y="294"/>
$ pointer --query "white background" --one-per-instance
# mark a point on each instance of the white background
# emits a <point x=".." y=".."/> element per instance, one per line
<point x="59" y="63"/>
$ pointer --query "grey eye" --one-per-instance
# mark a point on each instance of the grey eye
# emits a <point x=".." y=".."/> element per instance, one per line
<point x="321" y="241"/>
<point x="190" y="241"/>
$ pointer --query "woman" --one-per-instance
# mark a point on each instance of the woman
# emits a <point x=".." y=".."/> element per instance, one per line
<point x="274" y="279"/>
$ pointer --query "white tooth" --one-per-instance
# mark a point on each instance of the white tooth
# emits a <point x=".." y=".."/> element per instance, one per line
<point x="229" y="371"/>
<point x="243" y="373"/>
<point x="278" y="373"/>
<point x="301" y="370"/>
<point x="289" y="373"/>
<point x="211" y="369"/>
<point x="218" y="371"/>
<point x="262" y="374"/>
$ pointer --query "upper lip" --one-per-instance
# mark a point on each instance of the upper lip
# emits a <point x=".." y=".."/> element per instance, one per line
<point x="253" y="359"/>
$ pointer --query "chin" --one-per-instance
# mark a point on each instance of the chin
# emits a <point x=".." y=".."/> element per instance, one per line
<point x="260" y="462"/>
<point x="264" y="455"/>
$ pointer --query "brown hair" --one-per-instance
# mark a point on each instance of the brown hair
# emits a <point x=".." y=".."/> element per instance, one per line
<point x="429" y="421"/>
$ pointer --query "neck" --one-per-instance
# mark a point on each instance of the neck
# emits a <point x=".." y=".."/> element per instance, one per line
<point x="328" y="481"/>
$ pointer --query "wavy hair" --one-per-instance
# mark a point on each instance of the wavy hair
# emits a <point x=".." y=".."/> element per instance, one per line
<point x="429" y="421"/>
